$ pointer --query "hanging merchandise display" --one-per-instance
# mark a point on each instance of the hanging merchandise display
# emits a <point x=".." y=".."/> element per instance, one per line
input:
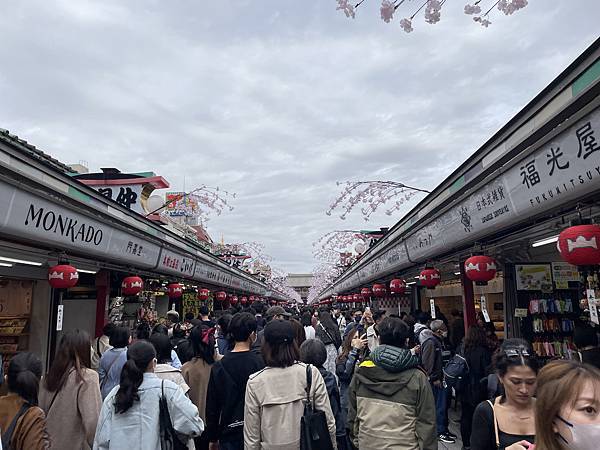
<point x="62" y="276"/>
<point x="430" y="277"/>
<point x="580" y="245"/>
<point x="132" y="285"/>
<point x="480" y="268"/>
<point x="398" y="286"/>
<point x="593" y="305"/>
<point x="174" y="290"/>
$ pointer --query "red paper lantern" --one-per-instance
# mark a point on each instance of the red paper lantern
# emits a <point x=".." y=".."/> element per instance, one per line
<point x="221" y="296"/>
<point x="398" y="286"/>
<point x="62" y="276"/>
<point x="251" y="299"/>
<point x="273" y="302"/>
<point x="203" y="294"/>
<point x="132" y="285"/>
<point x="580" y="245"/>
<point x="175" y="290"/>
<point x="480" y="268"/>
<point x="245" y="300"/>
<point x="379" y="290"/>
<point x="365" y="293"/>
<point x="430" y="277"/>
<point x="356" y="298"/>
<point x="234" y="299"/>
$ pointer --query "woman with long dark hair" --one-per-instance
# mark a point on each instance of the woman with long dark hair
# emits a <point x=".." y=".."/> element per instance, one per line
<point x="22" y="423"/>
<point x="113" y="360"/>
<point x="70" y="394"/>
<point x="346" y="363"/>
<point x="479" y="358"/>
<point x="196" y="372"/>
<point x="329" y="333"/>
<point x="508" y="422"/>
<point x="130" y="414"/>
<point x="275" y="396"/>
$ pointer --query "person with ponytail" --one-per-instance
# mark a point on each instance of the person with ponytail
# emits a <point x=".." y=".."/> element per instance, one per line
<point x="197" y="372"/>
<point x="70" y="394"/>
<point x="22" y="422"/>
<point x="130" y="414"/>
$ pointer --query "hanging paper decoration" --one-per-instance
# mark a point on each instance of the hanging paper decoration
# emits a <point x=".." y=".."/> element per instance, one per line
<point x="356" y="298"/>
<point x="580" y="245"/>
<point x="379" y="290"/>
<point x="480" y="268"/>
<point x="398" y="286"/>
<point x="366" y="294"/>
<point x="234" y="299"/>
<point x="245" y="300"/>
<point x="175" y="290"/>
<point x="221" y="296"/>
<point x="430" y="277"/>
<point x="203" y="294"/>
<point x="62" y="276"/>
<point x="132" y="285"/>
<point x="252" y="299"/>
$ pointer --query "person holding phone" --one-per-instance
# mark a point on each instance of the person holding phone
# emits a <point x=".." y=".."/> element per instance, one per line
<point x="351" y="354"/>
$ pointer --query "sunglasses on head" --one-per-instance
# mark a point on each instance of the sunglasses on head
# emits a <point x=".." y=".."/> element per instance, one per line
<point x="516" y="352"/>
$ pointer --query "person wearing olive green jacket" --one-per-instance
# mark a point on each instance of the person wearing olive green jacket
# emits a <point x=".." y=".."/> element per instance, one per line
<point x="391" y="405"/>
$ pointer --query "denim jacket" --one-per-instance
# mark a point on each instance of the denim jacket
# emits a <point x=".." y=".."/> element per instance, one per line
<point x="138" y="427"/>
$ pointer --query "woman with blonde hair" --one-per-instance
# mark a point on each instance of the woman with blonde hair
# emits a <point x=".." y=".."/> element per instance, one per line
<point x="568" y="407"/>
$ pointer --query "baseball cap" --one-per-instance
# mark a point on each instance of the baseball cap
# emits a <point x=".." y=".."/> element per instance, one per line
<point x="277" y="311"/>
<point x="279" y="332"/>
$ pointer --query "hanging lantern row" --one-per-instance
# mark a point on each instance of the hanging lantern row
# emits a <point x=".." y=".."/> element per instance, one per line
<point x="62" y="276"/>
<point x="580" y="245"/>
<point x="480" y="268"/>
<point x="132" y="285"/>
<point x="430" y="277"/>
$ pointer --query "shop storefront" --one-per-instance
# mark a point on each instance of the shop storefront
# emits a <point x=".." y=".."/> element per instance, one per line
<point x="536" y="176"/>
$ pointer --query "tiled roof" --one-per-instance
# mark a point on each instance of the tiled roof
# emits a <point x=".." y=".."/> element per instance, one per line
<point x="33" y="152"/>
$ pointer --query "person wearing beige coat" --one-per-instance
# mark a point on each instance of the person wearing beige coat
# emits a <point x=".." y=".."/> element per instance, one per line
<point x="70" y="394"/>
<point x="275" y="396"/>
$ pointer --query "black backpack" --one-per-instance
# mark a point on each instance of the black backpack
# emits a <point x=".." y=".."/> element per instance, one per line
<point x="456" y="373"/>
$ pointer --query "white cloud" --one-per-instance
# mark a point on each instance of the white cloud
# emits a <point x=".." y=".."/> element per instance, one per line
<point x="275" y="100"/>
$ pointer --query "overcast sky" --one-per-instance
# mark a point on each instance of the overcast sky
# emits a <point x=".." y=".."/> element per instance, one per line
<point x="275" y="99"/>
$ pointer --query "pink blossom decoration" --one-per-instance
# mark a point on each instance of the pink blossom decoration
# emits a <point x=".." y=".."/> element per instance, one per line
<point x="387" y="10"/>
<point x="472" y="9"/>
<point x="483" y="21"/>
<point x="406" y="25"/>
<point x="348" y="8"/>
<point x="432" y="11"/>
<point x="510" y="6"/>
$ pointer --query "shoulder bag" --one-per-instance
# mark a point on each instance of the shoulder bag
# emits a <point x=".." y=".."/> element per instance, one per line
<point x="168" y="436"/>
<point x="314" y="432"/>
<point x="7" y="436"/>
<point x="495" y="423"/>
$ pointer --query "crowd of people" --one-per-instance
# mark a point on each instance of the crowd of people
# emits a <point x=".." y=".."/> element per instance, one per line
<point x="244" y="381"/>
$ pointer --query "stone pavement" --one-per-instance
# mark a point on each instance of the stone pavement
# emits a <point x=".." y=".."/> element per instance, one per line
<point x="454" y="426"/>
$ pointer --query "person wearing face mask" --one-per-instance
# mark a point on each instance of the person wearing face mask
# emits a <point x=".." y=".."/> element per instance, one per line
<point x="508" y="422"/>
<point x="567" y="415"/>
<point x="227" y="385"/>
<point x="357" y="316"/>
<point x="431" y="358"/>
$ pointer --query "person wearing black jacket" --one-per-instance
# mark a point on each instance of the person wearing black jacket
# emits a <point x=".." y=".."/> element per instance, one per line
<point x="227" y="386"/>
<point x="312" y="351"/>
<point x="479" y="359"/>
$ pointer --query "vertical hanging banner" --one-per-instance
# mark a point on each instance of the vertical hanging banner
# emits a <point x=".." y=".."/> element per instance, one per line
<point x="591" y="295"/>
<point x="484" y="309"/>
<point x="59" y="317"/>
<point x="432" y="306"/>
